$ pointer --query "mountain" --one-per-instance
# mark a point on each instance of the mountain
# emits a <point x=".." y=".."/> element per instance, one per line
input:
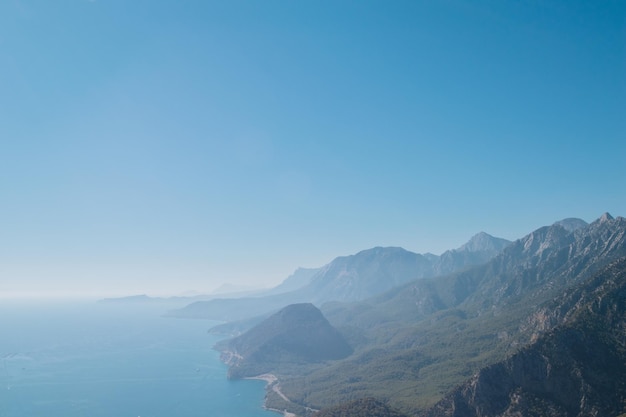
<point x="369" y="272"/>
<point x="531" y="269"/>
<point x="479" y="249"/>
<point x="237" y="309"/>
<point x="233" y="290"/>
<point x="144" y="300"/>
<point x="140" y="298"/>
<point x="571" y="224"/>
<point x="551" y="258"/>
<point x="349" y="278"/>
<point x="576" y="369"/>
<point x="295" y="281"/>
<point x="298" y="333"/>
<point x="415" y="342"/>
<point x="243" y="312"/>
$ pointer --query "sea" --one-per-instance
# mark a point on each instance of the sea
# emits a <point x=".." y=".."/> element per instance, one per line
<point x="85" y="359"/>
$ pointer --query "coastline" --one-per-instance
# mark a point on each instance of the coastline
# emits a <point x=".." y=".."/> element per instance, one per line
<point x="273" y="384"/>
<point x="231" y="358"/>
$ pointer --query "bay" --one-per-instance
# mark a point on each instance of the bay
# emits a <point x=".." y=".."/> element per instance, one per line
<point x="92" y="360"/>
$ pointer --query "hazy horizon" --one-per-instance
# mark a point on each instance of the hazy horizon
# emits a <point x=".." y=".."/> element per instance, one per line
<point x="223" y="289"/>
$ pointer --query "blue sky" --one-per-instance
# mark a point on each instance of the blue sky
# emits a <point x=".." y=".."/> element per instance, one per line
<point x="164" y="146"/>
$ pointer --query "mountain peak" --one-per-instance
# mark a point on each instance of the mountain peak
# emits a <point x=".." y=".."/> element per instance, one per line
<point x="571" y="224"/>
<point x="605" y="217"/>
<point x="479" y="249"/>
<point x="482" y="241"/>
<point x="481" y="236"/>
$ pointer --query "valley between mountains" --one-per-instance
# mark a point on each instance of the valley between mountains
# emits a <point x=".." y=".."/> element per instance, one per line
<point x="534" y="327"/>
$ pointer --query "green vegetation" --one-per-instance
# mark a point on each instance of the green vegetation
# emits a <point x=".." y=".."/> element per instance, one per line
<point x="298" y="334"/>
<point x="364" y="407"/>
<point x="414" y="369"/>
<point x="413" y="344"/>
<point x="575" y="369"/>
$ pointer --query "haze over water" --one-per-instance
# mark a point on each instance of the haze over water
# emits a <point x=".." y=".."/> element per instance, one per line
<point x="94" y="360"/>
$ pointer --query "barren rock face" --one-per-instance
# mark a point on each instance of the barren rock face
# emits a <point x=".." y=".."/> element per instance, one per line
<point x="574" y="370"/>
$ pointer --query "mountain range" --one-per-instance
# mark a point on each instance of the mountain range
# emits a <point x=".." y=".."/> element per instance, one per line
<point x="534" y="329"/>
<point x="348" y="278"/>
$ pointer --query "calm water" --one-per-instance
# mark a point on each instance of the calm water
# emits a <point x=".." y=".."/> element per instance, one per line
<point x="104" y="361"/>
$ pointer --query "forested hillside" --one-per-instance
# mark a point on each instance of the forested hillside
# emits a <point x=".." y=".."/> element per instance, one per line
<point x="416" y="342"/>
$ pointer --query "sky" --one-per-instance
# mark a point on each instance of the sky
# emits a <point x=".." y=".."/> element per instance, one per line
<point x="161" y="147"/>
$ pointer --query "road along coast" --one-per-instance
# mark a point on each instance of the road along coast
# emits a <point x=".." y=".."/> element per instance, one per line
<point x="274" y="385"/>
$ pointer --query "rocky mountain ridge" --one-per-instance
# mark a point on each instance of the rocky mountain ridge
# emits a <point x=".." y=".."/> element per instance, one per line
<point x="532" y="268"/>
<point x="350" y="278"/>
<point x="575" y="369"/>
<point x="416" y="341"/>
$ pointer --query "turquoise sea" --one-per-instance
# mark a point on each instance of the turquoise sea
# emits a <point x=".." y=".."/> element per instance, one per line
<point x="93" y="360"/>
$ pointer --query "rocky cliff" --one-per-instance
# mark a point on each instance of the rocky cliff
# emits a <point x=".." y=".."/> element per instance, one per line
<point x="576" y="369"/>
